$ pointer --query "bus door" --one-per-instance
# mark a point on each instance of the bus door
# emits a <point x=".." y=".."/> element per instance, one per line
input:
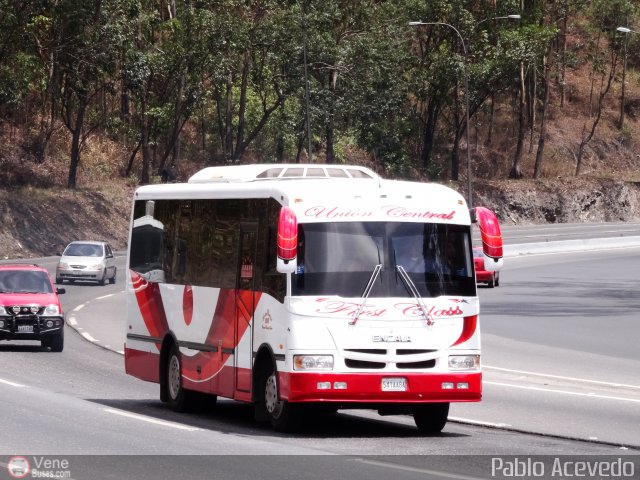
<point x="245" y="306"/>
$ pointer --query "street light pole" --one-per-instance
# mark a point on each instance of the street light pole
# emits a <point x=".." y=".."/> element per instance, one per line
<point x="306" y="80"/>
<point x="466" y="92"/>
<point x="624" y="30"/>
<point x="466" y="98"/>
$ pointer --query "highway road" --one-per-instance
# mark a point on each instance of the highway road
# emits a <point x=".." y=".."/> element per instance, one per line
<point x="560" y="369"/>
<point x="559" y="232"/>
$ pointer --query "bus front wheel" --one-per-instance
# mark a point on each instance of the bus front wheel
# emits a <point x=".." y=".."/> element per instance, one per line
<point x="431" y="418"/>
<point x="283" y="416"/>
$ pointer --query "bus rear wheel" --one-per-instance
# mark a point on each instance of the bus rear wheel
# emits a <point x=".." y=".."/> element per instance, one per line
<point x="178" y="398"/>
<point x="431" y="418"/>
<point x="283" y="416"/>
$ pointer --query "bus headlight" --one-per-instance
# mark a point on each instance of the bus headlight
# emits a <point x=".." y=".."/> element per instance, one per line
<point x="464" y="362"/>
<point x="313" y="362"/>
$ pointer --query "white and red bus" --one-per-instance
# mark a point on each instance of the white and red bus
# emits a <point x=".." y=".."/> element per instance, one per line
<point x="302" y="287"/>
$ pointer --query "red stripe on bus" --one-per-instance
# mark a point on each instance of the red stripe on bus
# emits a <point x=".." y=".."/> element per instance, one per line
<point x="468" y="329"/>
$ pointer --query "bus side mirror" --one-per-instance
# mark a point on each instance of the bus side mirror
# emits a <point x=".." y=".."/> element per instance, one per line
<point x="491" y="238"/>
<point x="287" y="241"/>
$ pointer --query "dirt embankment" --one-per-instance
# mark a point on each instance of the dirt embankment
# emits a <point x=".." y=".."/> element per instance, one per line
<point x="40" y="222"/>
<point x="562" y="200"/>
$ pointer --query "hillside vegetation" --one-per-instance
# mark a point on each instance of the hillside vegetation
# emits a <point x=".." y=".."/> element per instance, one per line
<point x="99" y="97"/>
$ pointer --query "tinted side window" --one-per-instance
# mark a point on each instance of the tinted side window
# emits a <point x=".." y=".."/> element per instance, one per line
<point x="196" y="242"/>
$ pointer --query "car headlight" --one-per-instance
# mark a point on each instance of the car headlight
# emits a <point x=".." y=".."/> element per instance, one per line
<point x="464" y="362"/>
<point x="3" y="311"/>
<point x="63" y="266"/>
<point x="52" y="310"/>
<point x="313" y="362"/>
<point x="96" y="266"/>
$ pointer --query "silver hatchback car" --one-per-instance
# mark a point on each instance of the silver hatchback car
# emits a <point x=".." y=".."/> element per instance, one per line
<point x="87" y="260"/>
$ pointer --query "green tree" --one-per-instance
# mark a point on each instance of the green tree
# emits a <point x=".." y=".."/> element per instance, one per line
<point x="87" y="59"/>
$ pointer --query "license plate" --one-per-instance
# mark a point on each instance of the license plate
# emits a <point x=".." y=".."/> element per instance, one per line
<point x="394" y="384"/>
<point x="25" y="328"/>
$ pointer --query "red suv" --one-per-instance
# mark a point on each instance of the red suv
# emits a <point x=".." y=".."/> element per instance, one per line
<point x="29" y="306"/>
<point x="492" y="279"/>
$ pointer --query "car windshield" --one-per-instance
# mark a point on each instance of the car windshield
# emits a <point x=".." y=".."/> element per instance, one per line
<point x="83" y="250"/>
<point x="339" y="258"/>
<point x="24" y="281"/>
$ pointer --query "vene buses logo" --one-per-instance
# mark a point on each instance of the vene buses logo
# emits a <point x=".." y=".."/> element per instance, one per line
<point x="18" y="467"/>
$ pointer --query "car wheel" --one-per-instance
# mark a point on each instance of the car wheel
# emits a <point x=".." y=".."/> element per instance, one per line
<point x="59" y="281"/>
<point x="112" y="280"/>
<point x="283" y="416"/>
<point x="57" y="342"/>
<point x="431" y="418"/>
<point x="103" y="281"/>
<point x="497" y="282"/>
<point x="491" y="283"/>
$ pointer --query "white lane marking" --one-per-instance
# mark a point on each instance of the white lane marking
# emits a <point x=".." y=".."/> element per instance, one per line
<point x="88" y="337"/>
<point x="72" y="321"/>
<point x="564" y="392"/>
<point x="79" y="307"/>
<point x="524" y="256"/>
<point x="405" y="468"/>
<point x="120" y="352"/>
<point x="105" y="296"/>
<point x="155" y="421"/>
<point x="480" y="422"/>
<point x="560" y="377"/>
<point x="13" y="384"/>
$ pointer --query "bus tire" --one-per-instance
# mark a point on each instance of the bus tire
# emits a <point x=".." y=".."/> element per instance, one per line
<point x="179" y="399"/>
<point x="173" y="393"/>
<point x="283" y="416"/>
<point x="431" y="418"/>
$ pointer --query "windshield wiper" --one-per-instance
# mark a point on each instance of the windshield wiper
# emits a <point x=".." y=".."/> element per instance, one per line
<point x="367" y="291"/>
<point x="413" y="290"/>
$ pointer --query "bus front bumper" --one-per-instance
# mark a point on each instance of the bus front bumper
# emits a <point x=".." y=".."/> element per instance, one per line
<point x="380" y="387"/>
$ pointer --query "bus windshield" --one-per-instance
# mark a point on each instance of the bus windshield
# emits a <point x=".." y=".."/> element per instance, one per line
<point x="339" y="258"/>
